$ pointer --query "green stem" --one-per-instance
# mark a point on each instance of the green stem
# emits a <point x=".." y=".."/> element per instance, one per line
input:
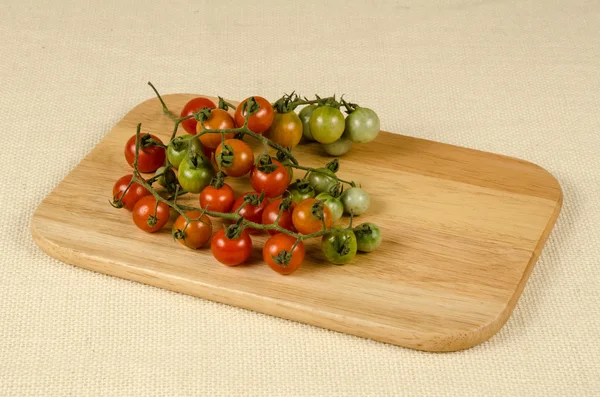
<point x="310" y="169"/>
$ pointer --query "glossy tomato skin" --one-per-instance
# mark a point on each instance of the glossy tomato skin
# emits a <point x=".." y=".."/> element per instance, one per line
<point x="362" y="125"/>
<point x="260" y="121"/>
<point x="297" y="191"/>
<point x="133" y="194"/>
<point x="178" y="148"/>
<point x="286" y="129"/>
<point x="368" y="237"/>
<point x="356" y="201"/>
<point x="339" y="246"/>
<point x="304" y="220"/>
<point x="243" y="157"/>
<point x="285" y="220"/>
<point x="322" y="180"/>
<point x="219" y="120"/>
<point x="150" y="158"/>
<point x="145" y="208"/>
<point x="250" y="212"/>
<point x="231" y="252"/>
<point x="192" y="106"/>
<point x="274" y="183"/>
<point x="278" y="243"/>
<point x="219" y="200"/>
<point x="194" y="178"/>
<point x="326" y="124"/>
<point x="194" y="234"/>
<point x="304" y="115"/>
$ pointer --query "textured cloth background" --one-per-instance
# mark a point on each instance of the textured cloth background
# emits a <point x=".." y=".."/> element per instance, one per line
<point x="521" y="78"/>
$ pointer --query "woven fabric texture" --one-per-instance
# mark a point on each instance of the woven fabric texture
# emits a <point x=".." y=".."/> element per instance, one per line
<point x="520" y="78"/>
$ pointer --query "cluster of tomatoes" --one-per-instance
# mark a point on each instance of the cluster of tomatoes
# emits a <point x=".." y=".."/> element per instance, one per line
<point x="200" y="162"/>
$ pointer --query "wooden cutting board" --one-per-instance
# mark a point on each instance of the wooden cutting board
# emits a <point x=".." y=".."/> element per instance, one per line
<point x="462" y="230"/>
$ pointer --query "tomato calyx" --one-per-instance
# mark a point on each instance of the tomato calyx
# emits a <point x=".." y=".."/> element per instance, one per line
<point x="225" y="158"/>
<point x="264" y="163"/>
<point x="218" y="181"/>
<point x="146" y="141"/>
<point x="234" y="231"/>
<point x="166" y="177"/>
<point x="283" y="258"/>
<point x="285" y="204"/>
<point x="250" y="107"/>
<point x="223" y="104"/>
<point x="254" y="199"/>
<point x="350" y="107"/>
<point x="333" y="165"/>
<point x="317" y="210"/>
<point x="202" y="115"/>
<point x="287" y="103"/>
<point x="195" y="160"/>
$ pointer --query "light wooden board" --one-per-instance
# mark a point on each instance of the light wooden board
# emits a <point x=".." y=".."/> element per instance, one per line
<point x="462" y="230"/>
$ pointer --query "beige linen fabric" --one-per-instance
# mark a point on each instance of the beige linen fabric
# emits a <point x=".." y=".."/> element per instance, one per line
<point x="521" y="78"/>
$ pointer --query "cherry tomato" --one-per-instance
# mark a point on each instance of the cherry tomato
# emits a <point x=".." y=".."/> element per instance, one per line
<point x="150" y="158"/>
<point x="219" y="200"/>
<point x="148" y="217"/>
<point x="362" y="125"/>
<point x="133" y="194"/>
<point x="339" y="246"/>
<point x="273" y="183"/>
<point x="326" y="124"/>
<point x="250" y="212"/>
<point x="304" y="115"/>
<point x="195" y="233"/>
<point x="238" y="159"/>
<point x="286" y="129"/>
<point x="219" y="120"/>
<point x="305" y="220"/>
<point x="334" y="204"/>
<point x="355" y="200"/>
<point x="192" y="106"/>
<point x="339" y="147"/>
<point x="285" y="220"/>
<point x="260" y="121"/>
<point x="322" y="180"/>
<point x="276" y="259"/>
<point x="231" y="252"/>
<point x="178" y="148"/>
<point x="368" y="237"/>
<point x="195" y="174"/>
<point x="300" y="190"/>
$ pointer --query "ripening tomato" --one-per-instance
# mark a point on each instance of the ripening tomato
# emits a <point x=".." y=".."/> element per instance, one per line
<point x="132" y="195"/>
<point x="250" y="212"/>
<point x="219" y="120"/>
<point x="326" y="124"/>
<point x="148" y="216"/>
<point x="231" y="252"/>
<point x="193" y="106"/>
<point x="238" y="158"/>
<point x="339" y="246"/>
<point x="286" y="129"/>
<point x="273" y="183"/>
<point x="195" y="233"/>
<point x="260" y="121"/>
<point x="219" y="200"/>
<point x="277" y="260"/>
<point x="285" y="220"/>
<point x="150" y="158"/>
<point x="305" y="218"/>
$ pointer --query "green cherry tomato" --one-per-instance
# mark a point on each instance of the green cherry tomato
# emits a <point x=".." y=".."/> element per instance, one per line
<point x="334" y="204"/>
<point x="339" y="246"/>
<point x="177" y="150"/>
<point x="355" y="200"/>
<point x="368" y="237"/>
<point x="323" y="180"/>
<point x="362" y="125"/>
<point x="300" y="190"/>
<point x="339" y="147"/>
<point x="305" y="118"/>
<point x="168" y="179"/>
<point x="194" y="175"/>
<point x="326" y="124"/>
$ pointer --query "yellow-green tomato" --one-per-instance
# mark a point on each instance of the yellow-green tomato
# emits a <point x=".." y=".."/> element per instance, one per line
<point x="368" y="237"/>
<point x="339" y="246"/>
<point x="194" y="175"/>
<point x="334" y="204"/>
<point x="339" y="147"/>
<point x="326" y="124"/>
<point x="305" y="119"/>
<point x="285" y="130"/>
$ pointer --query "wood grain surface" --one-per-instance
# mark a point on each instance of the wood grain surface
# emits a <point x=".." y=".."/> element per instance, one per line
<point x="462" y="230"/>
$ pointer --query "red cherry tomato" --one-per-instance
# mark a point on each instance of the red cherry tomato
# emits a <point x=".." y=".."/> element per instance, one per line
<point x="278" y="243"/>
<point x="285" y="220"/>
<point x="250" y="212"/>
<point x="243" y="157"/>
<point x="219" y="120"/>
<point x="150" y="158"/>
<point x="273" y="183"/>
<point x="306" y="222"/>
<point x="260" y="121"/>
<point x="219" y="200"/>
<point x="231" y="252"/>
<point x="133" y="194"/>
<point x="193" y="234"/>
<point x="145" y="209"/>
<point x="192" y="106"/>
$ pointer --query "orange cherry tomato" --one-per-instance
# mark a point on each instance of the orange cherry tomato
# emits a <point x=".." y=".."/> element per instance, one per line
<point x="242" y="158"/>
<point x="193" y="234"/>
<point x="219" y="120"/>
<point x="273" y="249"/>
<point x="146" y="209"/>
<point x="306" y="222"/>
<point x="193" y="106"/>
<point x="260" y="121"/>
